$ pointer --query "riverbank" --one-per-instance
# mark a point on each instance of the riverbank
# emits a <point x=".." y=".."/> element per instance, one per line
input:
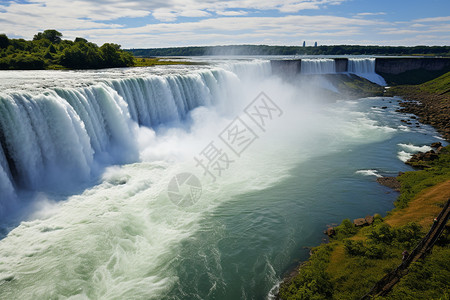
<point x="429" y="101"/>
<point x="160" y="61"/>
<point x="357" y="257"/>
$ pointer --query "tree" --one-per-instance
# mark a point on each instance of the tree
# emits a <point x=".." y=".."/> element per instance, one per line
<point x="81" y="56"/>
<point x="38" y="36"/>
<point x="51" y="49"/>
<point x="49" y="34"/>
<point x="4" y="41"/>
<point x="111" y="57"/>
<point x="53" y="35"/>
<point x="80" y="40"/>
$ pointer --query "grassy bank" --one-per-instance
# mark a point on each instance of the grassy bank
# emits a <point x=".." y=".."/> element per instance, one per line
<point x="158" y="61"/>
<point x="357" y="257"/>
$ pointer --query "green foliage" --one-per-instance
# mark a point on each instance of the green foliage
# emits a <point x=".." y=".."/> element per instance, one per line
<point x="354" y="248"/>
<point x="52" y="35"/>
<point x="382" y="234"/>
<point x="51" y="49"/>
<point x="80" y="40"/>
<point x="381" y="238"/>
<point x="4" y="41"/>
<point x="81" y="56"/>
<point x="414" y="182"/>
<point x="346" y="229"/>
<point x="112" y="56"/>
<point x="312" y="282"/>
<point x="48" y="51"/>
<point x="426" y="279"/>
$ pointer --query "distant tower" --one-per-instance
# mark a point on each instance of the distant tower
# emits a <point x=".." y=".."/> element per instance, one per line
<point x="304" y="44"/>
<point x="315" y="44"/>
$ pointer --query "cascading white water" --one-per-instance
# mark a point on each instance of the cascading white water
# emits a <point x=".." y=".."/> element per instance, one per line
<point x="122" y="237"/>
<point x="6" y="183"/>
<point x="251" y="69"/>
<point x="43" y="136"/>
<point x="318" y="66"/>
<point x="365" y="67"/>
<point x="62" y="137"/>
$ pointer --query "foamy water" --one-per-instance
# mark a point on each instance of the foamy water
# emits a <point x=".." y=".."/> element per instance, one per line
<point x="91" y="187"/>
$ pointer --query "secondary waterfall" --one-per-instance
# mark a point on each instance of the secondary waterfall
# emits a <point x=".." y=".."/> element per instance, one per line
<point x="61" y="137"/>
<point x="365" y="67"/>
<point x="318" y="66"/>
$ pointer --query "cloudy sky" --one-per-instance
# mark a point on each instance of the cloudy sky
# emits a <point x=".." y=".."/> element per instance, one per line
<point x="166" y="23"/>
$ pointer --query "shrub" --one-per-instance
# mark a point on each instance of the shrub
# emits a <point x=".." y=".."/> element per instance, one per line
<point x="382" y="233"/>
<point x="346" y="229"/>
<point x="312" y="282"/>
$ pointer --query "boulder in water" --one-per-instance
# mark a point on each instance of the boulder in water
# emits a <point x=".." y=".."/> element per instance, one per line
<point x="360" y="222"/>
<point x="330" y="231"/>
<point x="369" y="219"/>
<point x="436" y="145"/>
<point x="390" y="182"/>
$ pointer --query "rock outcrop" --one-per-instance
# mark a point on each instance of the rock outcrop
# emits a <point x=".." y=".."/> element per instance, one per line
<point x="391" y="182"/>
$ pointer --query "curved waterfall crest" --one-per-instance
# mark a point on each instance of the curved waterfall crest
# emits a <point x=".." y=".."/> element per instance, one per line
<point x="62" y="136"/>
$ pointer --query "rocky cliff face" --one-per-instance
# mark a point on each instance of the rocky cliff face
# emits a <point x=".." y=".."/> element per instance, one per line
<point x="400" y="65"/>
<point x="286" y="68"/>
<point x="341" y="64"/>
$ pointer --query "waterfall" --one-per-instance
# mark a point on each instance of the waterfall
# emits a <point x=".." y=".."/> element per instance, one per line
<point x="365" y="67"/>
<point x="60" y="138"/>
<point x="250" y="69"/>
<point x="318" y="66"/>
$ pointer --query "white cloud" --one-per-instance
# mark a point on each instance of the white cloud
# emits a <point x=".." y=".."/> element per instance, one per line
<point x="232" y="13"/>
<point x="371" y="14"/>
<point x="286" y="30"/>
<point x="435" y="19"/>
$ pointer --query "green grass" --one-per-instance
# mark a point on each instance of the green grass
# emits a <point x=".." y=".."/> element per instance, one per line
<point x="427" y="279"/>
<point x="156" y="61"/>
<point x="440" y="85"/>
<point x="414" y="182"/>
<point x="418" y="76"/>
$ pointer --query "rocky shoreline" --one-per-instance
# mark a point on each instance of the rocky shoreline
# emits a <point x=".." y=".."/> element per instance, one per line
<point x="418" y="161"/>
<point x="432" y="108"/>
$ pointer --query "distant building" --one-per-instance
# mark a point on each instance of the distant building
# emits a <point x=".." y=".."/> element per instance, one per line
<point x="304" y="44"/>
<point x="315" y="44"/>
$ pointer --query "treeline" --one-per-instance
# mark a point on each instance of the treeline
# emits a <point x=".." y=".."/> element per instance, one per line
<point x="293" y="50"/>
<point x="48" y="50"/>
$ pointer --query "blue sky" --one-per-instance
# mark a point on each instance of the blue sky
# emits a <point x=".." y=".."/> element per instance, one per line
<point x="168" y="23"/>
